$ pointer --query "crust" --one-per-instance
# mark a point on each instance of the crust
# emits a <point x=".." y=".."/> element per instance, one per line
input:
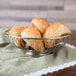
<point x="40" y="23"/>
<point x="53" y="31"/>
<point x="33" y="33"/>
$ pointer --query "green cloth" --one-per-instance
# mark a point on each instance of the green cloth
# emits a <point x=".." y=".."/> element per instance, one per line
<point x="14" y="63"/>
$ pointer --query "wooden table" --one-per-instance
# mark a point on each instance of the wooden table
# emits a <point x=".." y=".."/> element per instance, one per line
<point x="72" y="40"/>
<point x="71" y="71"/>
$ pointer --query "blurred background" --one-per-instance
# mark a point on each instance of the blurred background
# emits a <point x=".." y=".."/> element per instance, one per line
<point x="21" y="12"/>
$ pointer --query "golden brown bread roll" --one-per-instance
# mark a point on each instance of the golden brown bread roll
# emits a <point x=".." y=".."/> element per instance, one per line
<point x="40" y="23"/>
<point x="54" y="31"/>
<point x="32" y="32"/>
<point x="16" y="31"/>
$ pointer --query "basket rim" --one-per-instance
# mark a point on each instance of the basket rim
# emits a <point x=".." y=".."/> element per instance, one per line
<point x="66" y="36"/>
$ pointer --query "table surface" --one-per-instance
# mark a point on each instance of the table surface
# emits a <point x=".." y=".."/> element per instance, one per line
<point x="71" y="71"/>
<point x="72" y="40"/>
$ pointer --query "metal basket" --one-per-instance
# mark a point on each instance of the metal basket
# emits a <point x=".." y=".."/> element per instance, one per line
<point x="29" y="51"/>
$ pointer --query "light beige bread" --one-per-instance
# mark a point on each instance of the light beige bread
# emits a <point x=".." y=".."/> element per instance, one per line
<point x="16" y="31"/>
<point x="32" y="32"/>
<point x="40" y="23"/>
<point x="54" y="31"/>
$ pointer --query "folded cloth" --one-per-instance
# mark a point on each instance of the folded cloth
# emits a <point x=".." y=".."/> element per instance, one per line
<point x="14" y="63"/>
<point x="3" y="37"/>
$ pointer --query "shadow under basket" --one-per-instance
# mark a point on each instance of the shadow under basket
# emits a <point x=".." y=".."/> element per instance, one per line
<point x="26" y="43"/>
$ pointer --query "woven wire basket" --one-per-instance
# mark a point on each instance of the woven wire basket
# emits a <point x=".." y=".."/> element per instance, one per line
<point x="30" y="51"/>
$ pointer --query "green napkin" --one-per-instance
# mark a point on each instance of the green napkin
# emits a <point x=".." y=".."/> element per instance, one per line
<point x="14" y="63"/>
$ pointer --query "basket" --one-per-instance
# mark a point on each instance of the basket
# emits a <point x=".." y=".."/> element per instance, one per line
<point x="30" y="51"/>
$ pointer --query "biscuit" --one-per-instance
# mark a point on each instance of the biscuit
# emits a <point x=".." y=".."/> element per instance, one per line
<point x="16" y="31"/>
<point x="40" y="23"/>
<point x="32" y="32"/>
<point x="54" y="31"/>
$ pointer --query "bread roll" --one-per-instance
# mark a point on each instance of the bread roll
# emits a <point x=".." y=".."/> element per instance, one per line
<point x="16" y="31"/>
<point x="32" y="32"/>
<point x="54" y="31"/>
<point x="40" y="23"/>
